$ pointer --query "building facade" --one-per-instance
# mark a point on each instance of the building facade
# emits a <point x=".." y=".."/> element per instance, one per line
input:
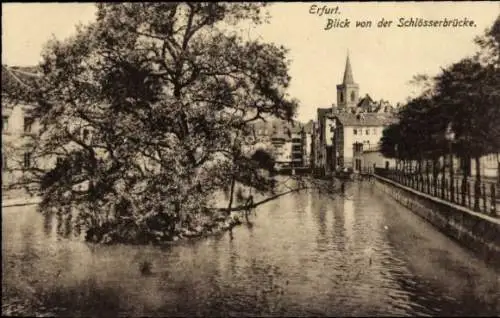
<point x="20" y="128"/>
<point x="323" y="141"/>
<point x="287" y="142"/>
<point x="355" y="133"/>
<point x="308" y="156"/>
<point x="372" y="158"/>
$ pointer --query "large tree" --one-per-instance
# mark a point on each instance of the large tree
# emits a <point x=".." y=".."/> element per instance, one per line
<point x="149" y="109"/>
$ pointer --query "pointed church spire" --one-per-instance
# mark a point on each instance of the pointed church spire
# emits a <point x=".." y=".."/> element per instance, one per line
<point x="348" y="78"/>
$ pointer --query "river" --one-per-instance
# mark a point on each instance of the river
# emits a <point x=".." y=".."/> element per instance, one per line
<point x="304" y="254"/>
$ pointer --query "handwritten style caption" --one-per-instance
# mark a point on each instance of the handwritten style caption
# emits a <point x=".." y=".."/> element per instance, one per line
<point x="401" y="22"/>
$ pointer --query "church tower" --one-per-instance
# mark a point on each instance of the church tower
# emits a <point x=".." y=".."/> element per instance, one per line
<point x="348" y="91"/>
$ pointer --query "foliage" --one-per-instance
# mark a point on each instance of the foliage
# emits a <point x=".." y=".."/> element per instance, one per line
<point x="147" y="109"/>
<point x="464" y="96"/>
<point x="264" y="159"/>
<point x="468" y="93"/>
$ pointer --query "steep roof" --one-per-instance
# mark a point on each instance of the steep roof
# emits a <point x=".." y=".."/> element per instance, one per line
<point x="348" y="78"/>
<point x="365" y="102"/>
<point x="19" y="85"/>
<point x="23" y="77"/>
<point x="283" y="127"/>
<point x="323" y="112"/>
<point x="366" y="119"/>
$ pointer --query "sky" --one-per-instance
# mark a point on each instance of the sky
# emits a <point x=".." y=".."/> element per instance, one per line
<point x="383" y="60"/>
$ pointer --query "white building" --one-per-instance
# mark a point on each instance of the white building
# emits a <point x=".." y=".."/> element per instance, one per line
<point x="356" y="132"/>
<point x="372" y="158"/>
<point x="20" y="128"/>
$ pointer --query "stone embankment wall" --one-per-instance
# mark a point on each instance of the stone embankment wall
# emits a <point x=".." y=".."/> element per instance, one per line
<point x="480" y="233"/>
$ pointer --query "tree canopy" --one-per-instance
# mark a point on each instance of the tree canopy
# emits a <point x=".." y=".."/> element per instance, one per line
<point x="464" y="96"/>
<point x="148" y="108"/>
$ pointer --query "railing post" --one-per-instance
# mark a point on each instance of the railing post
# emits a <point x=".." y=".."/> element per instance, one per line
<point x="469" y="203"/>
<point x="464" y="190"/>
<point x="443" y="186"/>
<point x="483" y="186"/>
<point x="438" y="187"/>
<point x="428" y="184"/>
<point x="477" y="195"/>
<point x="493" y="199"/>
<point x="434" y="185"/>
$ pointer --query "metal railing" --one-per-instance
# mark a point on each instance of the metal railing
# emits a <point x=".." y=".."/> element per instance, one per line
<point x="478" y="196"/>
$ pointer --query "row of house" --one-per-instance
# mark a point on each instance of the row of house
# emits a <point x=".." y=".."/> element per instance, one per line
<point x="289" y="142"/>
<point x="347" y="134"/>
<point x="344" y="135"/>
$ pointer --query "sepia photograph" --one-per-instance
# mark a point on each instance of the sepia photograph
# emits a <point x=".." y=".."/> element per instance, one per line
<point x="251" y="159"/>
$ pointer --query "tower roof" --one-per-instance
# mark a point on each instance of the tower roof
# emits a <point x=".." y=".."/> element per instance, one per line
<point x="348" y="78"/>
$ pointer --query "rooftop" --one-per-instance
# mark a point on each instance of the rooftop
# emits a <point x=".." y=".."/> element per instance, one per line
<point x="18" y="84"/>
<point x="366" y="119"/>
<point x="348" y="78"/>
<point x="20" y="76"/>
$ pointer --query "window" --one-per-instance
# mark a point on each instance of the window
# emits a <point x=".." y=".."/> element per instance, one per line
<point x="368" y="131"/>
<point x="28" y="124"/>
<point x="4" y="162"/>
<point x="5" y="123"/>
<point x="353" y="96"/>
<point x="341" y="97"/>
<point x="59" y="161"/>
<point x="374" y="131"/>
<point x="27" y="160"/>
<point x="355" y="131"/>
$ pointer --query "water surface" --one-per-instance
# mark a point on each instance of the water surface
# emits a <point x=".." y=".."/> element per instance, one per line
<point x="305" y="254"/>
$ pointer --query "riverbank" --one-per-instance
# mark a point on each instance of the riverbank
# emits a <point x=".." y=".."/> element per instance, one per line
<point x="478" y="232"/>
